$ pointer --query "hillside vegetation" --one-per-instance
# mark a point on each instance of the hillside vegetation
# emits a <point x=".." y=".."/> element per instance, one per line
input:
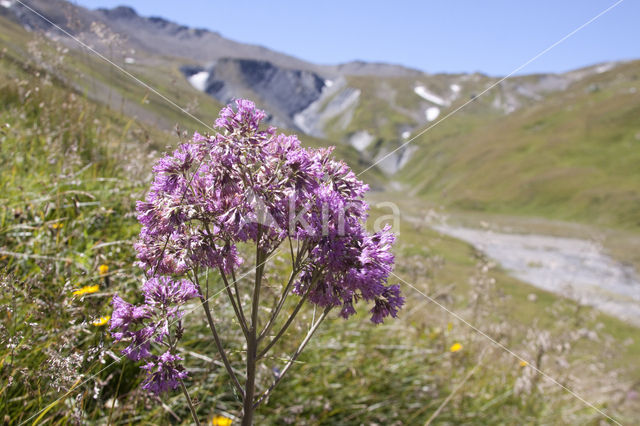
<point x="573" y="156"/>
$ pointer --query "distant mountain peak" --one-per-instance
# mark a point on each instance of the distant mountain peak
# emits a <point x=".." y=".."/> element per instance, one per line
<point x="360" y="67"/>
<point x="120" y="12"/>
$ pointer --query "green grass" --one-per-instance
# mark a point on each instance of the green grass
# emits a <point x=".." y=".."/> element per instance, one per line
<point x="69" y="182"/>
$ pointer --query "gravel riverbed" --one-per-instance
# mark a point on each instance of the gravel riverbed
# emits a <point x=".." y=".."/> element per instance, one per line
<point x="571" y="267"/>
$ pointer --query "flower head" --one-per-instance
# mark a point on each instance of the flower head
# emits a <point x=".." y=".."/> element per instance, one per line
<point x="221" y="421"/>
<point x="164" y="373"/>
<point x="455" y="347"/>
<point x="103" y="269"/>
<point x="125" y="314"/>
<point x="86" y="290"/>
<point x="101" y="321"/>
<point x="140" y="325"/>
<point x="164" y="291"/>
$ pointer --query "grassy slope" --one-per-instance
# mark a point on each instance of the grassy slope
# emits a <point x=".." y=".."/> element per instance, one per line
<point x="573" y="156"/>
<point x="69" y="177"/>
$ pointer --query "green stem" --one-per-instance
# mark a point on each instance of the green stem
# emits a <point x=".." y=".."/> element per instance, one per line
<point x="223" y="355"/>
<point x="236" y="308"/>
<point x="189" y="402"/>
<point x="287" y="324"/>
<point x="295" y="356"/>
<point x="172" y="347"/>
<point x="216" y="337"/>
<point x="278" y="308"/>
<point x="252" y="341"/>
<point x="235" y="287"/>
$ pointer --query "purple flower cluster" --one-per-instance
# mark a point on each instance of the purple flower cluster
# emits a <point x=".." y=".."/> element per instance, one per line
<point x="154" y="321"/>
<point x="164" y="373"/>
<point x="247" y="184"/>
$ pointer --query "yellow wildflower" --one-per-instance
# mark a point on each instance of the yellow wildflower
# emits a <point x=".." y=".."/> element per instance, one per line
<point x="221" y="421"/>
<point x="103" y="269"/>
<point x="101" y="321"/>
<point x="523" y="363"/>
<point x="57" y="225"/>
<point x="86" y="290"/>
<point x="455" y="347"/>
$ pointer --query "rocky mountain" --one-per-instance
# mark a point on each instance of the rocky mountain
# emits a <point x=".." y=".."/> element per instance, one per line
<point x="286" y="91"/>
<point x="374" y="107"/>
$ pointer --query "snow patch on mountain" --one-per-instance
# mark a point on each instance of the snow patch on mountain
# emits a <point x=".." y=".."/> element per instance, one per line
<point x="426" y="95"/>
<point x="199" y="80"/>
<point x="407" y="153"/>
<point x="432" y="113"/>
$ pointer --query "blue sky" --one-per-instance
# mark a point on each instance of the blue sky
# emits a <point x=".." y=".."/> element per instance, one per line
<point x="491" y="36"/>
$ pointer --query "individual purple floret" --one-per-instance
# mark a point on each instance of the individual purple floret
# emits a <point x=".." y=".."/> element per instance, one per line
<point x="387" y="304"/>
<point x="164" y="292"/>
<point x="124" y="314"/>
<point x="164" y="373"/>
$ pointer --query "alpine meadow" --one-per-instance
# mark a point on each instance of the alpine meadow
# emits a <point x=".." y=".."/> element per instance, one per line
<point x="198" y="230"/>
